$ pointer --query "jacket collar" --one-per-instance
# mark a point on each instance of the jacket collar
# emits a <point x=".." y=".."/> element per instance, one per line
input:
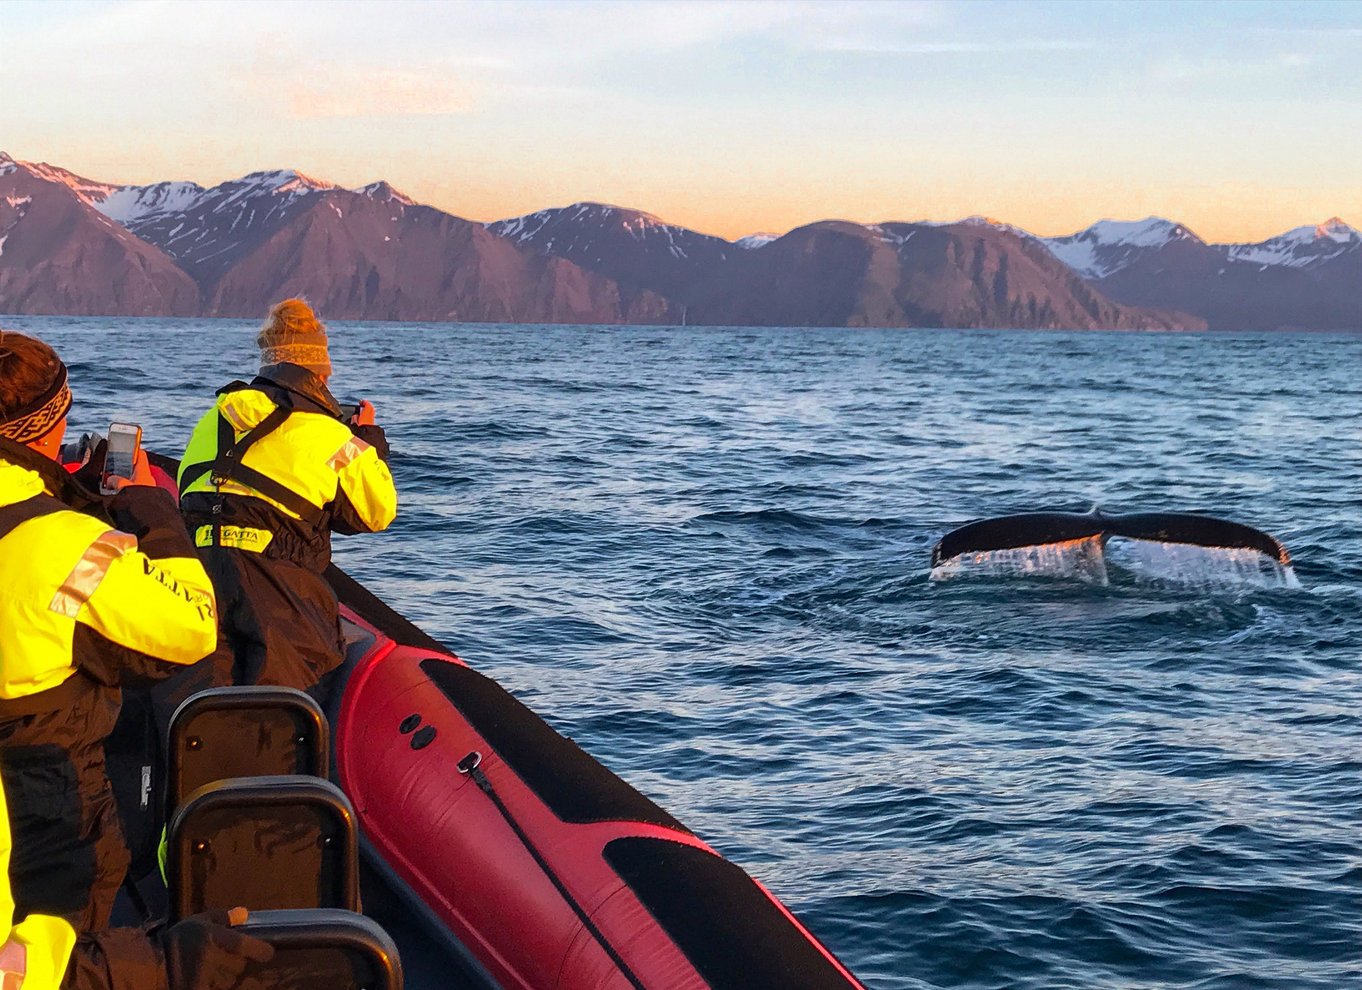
<point x="298" y="380"/>
<point x="74" y="491"/>
<point x="55" y="478"/>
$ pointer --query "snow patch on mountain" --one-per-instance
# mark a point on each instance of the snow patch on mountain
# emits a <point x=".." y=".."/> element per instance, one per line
<point x="528" y="227"/>
<point x="753" y="241"/>
<point x="88" y="190"/>
<point x="1110" y="245"/>
<point x="286" y="181"/>
<point x="894" y="238"/>
<point x="1301" y="247"/>
<point x="130" y="204"/>
<point x="977" y="220"/>
<point x="982" y="221"/>
<point x="384" y="193"/>
<point x="563" y="229"/>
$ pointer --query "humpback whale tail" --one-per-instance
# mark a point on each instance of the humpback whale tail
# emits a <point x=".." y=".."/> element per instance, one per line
<point x="1088" y="533"/>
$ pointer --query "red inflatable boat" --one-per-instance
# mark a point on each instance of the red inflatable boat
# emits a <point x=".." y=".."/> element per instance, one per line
<point x="534" y="866"/>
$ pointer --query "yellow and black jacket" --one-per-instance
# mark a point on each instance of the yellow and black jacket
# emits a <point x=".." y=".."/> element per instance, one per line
<point x="269" y="472"/>
<point x="90" y="600"/>
<point x="272" y="469"/>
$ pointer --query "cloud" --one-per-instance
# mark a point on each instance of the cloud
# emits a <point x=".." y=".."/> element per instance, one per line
<point x="959" y="47"/>
<point x="1181" y="70"/>
<point x="318" y="90"/>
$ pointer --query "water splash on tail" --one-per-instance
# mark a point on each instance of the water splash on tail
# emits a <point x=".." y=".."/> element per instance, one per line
<point x="1081" y="560"/>
<point x="1091" y="561"/>
<point x="1185" y="563"/>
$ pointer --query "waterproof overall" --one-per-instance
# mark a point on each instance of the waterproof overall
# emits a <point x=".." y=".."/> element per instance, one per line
<point x="270" y="471"/>
<point x="92" y="602"/>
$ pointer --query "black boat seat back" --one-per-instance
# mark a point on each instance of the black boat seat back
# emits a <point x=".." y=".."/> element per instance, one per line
<point x="263" y="843"/>
<point x="244" y="732"/>
<point x="323" y="950"/>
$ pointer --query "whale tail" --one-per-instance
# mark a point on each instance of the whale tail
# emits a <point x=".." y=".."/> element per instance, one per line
<point x="1041" y="528"/>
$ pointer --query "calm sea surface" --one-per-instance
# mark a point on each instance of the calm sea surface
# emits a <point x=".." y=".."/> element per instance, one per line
<point x="704" y="555"/>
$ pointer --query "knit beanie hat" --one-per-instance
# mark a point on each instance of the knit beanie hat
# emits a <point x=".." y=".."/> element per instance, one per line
<point x="31" y="369"/>
<point x="293" y="335"/>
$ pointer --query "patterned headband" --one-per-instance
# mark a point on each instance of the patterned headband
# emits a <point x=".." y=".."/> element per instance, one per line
<point x="40" y="415"/>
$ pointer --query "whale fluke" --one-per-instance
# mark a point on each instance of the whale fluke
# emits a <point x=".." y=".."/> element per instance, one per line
<point x="1041" y="528"/>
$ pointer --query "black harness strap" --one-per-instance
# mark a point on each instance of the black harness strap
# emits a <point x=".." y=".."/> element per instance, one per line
<point x="189" y="473"/>
<point x="12" y="516"/>
<point x="470" y="765"/>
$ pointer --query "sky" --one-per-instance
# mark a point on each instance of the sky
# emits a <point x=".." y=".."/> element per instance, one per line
<point x="1240" y="120"/>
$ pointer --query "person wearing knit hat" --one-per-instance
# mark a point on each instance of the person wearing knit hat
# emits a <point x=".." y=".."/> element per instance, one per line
<point x="34" y="394"/>
<point x="98" y="592"/>
<point x="271" y="470"/>
<point x="294" y="335"/>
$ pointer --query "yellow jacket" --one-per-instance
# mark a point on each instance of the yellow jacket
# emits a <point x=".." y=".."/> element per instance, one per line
<point x="77" y="593"/>
<point x="37" y="948"/>
<point x="332" y="477"/>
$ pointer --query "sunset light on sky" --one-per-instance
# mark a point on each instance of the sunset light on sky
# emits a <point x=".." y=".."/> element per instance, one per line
<point x="1239" y="120"/>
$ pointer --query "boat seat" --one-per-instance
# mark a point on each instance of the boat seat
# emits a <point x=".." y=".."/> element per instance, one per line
<point x="263" y="843"/>
<point x="244" y="732"/>
<point x="323" y="949"/>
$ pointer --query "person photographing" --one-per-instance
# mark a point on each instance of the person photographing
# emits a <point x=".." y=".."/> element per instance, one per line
<point x="270" y="472"/>
<point x="99" y="594"/>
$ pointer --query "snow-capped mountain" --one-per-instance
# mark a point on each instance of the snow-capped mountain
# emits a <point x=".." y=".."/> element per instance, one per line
<point x="1108" y="246"/>
<point x="1307" y="277"/>
<point x="60" y="255"/>
<point x="629" y="246"/>
<point x="368" y="253"/>
<point x="1303" y="247"/>
<point x="371" y="253"/>
<point x="208" y="230"/>
<point x="964" y="274"/>
<point x="69" y="244"/>
<point x="643" y="227"/>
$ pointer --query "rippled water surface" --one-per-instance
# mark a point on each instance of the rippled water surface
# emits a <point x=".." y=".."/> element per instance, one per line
<point x="704" y="555"/>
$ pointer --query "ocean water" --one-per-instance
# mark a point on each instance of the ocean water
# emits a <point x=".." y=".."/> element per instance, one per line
<point x="704" y="554"/>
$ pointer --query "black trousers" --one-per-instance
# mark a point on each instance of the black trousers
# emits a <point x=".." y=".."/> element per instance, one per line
<point x="279" y="622"/>
<point x="69" y="858"/>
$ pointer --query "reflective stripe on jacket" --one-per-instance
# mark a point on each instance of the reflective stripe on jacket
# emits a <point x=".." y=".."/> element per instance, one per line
<point x="38" y="948"/>
<point x="77" y="593"/>
<point x="312" y="454"/>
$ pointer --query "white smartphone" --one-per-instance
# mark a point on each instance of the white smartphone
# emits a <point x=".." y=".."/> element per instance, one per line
<point x="124" y="441"/>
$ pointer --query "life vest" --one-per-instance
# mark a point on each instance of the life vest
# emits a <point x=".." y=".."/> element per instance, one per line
<point x="288" y="452"/>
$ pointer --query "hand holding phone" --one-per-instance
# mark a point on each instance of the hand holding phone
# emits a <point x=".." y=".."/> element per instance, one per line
<point x="364" y="414"/>
<point x="125" y="463"/>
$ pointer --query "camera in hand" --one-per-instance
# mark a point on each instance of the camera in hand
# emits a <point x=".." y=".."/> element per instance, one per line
<point x="349" y="410"/>
<point x="120" y="456"/>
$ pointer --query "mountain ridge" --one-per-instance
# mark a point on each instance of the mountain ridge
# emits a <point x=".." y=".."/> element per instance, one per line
<point x="373" y="252"/>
